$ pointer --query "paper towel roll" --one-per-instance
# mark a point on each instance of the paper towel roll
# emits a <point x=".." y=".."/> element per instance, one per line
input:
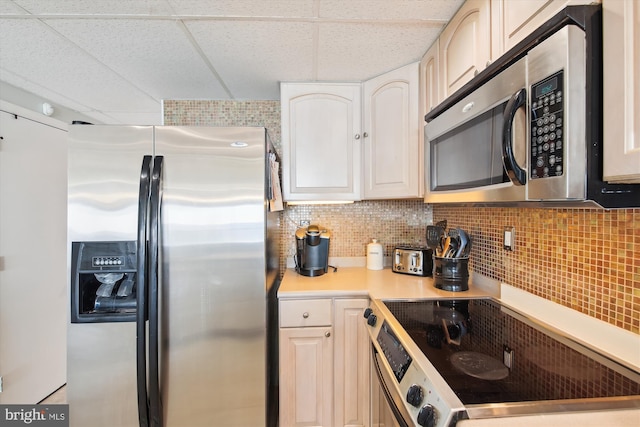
<point x="375" y="255"/>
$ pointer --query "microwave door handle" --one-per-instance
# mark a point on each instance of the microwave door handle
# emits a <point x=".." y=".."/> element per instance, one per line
<point x="516" y="174"/>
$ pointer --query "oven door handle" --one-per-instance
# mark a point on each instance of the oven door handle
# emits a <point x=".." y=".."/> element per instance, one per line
<point x="400" y="412"/>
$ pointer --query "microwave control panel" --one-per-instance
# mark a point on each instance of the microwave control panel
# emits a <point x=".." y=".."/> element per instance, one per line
<point x="547" y="123"/>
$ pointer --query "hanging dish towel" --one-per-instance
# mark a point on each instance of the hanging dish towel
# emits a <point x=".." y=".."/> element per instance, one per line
<point x="275" y="193"/>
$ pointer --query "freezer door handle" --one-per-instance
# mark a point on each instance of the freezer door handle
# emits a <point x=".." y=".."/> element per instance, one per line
<point x="155" y="200"/>
<point x="141" y="292"/>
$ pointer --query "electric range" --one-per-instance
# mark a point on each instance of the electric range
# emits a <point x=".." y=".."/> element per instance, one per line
<point x="454" y="359"/>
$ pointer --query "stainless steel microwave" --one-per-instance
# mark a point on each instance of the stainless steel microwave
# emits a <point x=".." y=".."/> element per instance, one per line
<point x="528" y="129"/>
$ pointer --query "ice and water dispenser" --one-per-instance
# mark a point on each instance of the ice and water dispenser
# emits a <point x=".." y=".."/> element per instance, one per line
<point x="103" y="282"/>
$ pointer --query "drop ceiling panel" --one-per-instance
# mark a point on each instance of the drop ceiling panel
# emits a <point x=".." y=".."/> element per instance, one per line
<point x="252" y="57"/>
<point x="440" y="11"/>
<point x="9" y="8"/>
<point x="362" y="51"/>
<point x="247" y="8"/>
<point x="96" y="7"/>
<point x="65" y="69"/>
<point x="154" y="55"/>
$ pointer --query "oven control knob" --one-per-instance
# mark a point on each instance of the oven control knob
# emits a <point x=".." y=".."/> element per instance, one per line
<point x="415" y="395"/>
<point x="427" y="416"/>
<point x="367" y="312"/>
<point x="371" y="320"/>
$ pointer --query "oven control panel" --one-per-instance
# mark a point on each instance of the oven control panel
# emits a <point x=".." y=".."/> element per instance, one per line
<point x="393" y="351"/>
<point x="423" y="400"/>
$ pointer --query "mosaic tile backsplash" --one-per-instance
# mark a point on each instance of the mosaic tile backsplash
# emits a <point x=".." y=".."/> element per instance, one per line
<point x="585" y="259"/>
<point x="352" y="226"/>
<point x="588" y="260"/>
<point x="225" y="113"/>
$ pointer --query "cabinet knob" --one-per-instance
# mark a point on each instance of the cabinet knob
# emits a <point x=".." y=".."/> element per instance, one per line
<point x="488" y="63"/>
<point x="365" y="134"/>
<point x="327" y="334"/>
<point x="357" y="136"/>
<point x="305" y="315"/>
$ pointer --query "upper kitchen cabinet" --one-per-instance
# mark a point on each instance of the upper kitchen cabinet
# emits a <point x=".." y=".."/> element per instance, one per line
<point x="391" y="135"/>
<point x="621" y="56"/>
<point x="429" y="80"/>
<point x="512" y="20"/>
<point x="337" y="147"/>
<point x="465" y="45"/>
<point x="321" y="141"/>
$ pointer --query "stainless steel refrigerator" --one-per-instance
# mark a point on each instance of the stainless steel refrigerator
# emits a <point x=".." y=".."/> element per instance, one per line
<point x="173" y="273"/>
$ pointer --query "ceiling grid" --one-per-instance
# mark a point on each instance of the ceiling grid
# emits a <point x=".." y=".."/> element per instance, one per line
<point x="116" y="60"/>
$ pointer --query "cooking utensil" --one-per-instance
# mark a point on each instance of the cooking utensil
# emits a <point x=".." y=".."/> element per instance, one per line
<point x="453" y="248"/>
<point x="445" y="246"/>
<point x="434" y="235"/>
<point x="464" y="242"/>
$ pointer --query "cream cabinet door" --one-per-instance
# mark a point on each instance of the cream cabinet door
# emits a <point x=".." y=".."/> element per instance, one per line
<point x="429" y="80"/>
<point x="351" y="366"/>
<point x="465" y="45"/>
<point x="392" y="135"/>
<point x="512" y="21"/>
<point x="306" y="377"/>
<point x="621" y="59"/>
<point x="321" y="141"/>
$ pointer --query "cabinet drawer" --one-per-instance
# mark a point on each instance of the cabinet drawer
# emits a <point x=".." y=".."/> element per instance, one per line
<point x="296" y="313"/>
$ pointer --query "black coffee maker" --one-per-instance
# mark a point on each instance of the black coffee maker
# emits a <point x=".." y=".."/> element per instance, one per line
<point x="312" y="251"/>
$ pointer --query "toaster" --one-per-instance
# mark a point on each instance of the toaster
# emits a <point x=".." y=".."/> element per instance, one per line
<point x="413" y="260"/>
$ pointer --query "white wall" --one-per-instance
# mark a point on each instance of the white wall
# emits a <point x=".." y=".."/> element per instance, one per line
<point x="33" y="254"/>
<point x="33" y="105"/>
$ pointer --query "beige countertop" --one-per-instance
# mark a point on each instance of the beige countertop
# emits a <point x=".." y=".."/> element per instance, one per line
<point x="376" y="284"/>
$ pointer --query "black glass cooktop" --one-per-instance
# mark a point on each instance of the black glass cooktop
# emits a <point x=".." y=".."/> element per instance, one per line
<point x="489" y="355"/>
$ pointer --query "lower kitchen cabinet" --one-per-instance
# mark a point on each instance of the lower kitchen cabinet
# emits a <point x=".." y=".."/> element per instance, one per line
<point x="351" y="363"/>
<point x="306" y="376"/>
<point x="324" y="363"/>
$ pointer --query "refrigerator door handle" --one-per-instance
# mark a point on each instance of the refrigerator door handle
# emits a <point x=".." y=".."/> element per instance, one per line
<point x="155" y="403"/>
<point x="141" y="292"/>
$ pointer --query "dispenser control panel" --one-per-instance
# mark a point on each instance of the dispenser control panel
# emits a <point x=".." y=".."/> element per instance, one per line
<point x="107" y="261"/>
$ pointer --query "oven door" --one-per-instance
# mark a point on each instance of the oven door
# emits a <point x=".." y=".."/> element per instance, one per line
<point x="387" y="408"/>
